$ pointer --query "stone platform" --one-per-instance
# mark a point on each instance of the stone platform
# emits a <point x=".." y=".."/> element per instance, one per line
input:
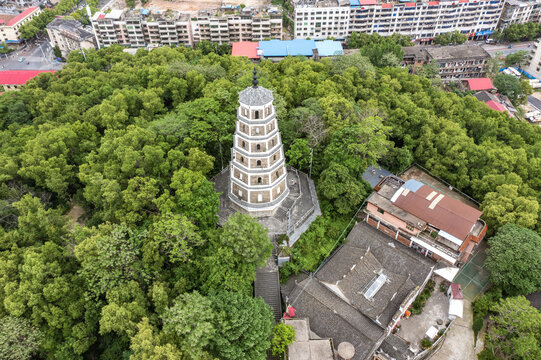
<point x="294" y="215"/>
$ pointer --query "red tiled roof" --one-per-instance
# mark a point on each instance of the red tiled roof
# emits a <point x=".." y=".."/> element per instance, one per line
<point x="368" y="2"/>
<point x="21" y="16"/>
<point x="448" y="214"/>
<point x="386" y="6"/>
<point x="245" y="48"/>
<point x="478" y="84"/>
<point x="456" y="291"/>
<point x="19" y="77"/>
<point x="494" y="105"/>
<point x="101" y="16"/>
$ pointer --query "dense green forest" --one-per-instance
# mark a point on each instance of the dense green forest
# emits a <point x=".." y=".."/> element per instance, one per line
<point x="130" y="143"/>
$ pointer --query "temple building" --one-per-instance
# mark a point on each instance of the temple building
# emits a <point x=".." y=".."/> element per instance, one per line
<point x="258" y="176"/>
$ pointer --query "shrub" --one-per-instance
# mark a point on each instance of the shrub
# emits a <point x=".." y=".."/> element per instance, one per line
<point x="282" y="336"/>
<point x="426" y="343"/>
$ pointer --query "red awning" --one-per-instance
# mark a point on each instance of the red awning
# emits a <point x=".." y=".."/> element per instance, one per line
<point x="368" y="2"/>
<point x="433" y="3"/>
<point x="410" y="4"/>
<point x="386" y="6"/>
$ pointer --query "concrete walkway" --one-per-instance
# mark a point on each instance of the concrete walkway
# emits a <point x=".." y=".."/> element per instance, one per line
<point x="458" y="345"/>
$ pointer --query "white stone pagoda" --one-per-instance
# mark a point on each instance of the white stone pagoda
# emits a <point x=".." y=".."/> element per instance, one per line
<point x="258" y="176"/>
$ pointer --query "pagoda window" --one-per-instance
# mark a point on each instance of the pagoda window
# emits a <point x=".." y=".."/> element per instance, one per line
<point x="258" y="147"/>
<point x="258" y="163"/>
<point x="256" y="114"/>
<point x="259" y="180"/>
<point x="242" y="159"/>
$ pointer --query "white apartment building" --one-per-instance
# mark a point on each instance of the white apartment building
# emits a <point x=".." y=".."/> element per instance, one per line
<point x="70" y="35"/>
<point x="421" y="20"/>
<point x="534" y="68"/>
<point x="246" y="24"/>
<point x="519" y="12"/>
<point x="140" y="28"/>
<point x="136" y="29"/>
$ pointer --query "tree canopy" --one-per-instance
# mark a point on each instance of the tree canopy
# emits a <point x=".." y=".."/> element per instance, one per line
<point x="134" y="141"/>
<point x="514" y="260"/>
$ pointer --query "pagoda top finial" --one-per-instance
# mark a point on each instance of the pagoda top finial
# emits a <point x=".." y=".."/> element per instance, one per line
<point x="254" y="81"/>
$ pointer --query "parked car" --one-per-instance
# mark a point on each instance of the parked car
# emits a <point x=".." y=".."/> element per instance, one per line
<point x="21" y="59"/>
<point x="510" y="46"/>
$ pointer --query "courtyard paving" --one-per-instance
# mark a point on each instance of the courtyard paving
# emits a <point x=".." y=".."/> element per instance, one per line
<point x="413" y="329"/>
<point x="458" y="344"/>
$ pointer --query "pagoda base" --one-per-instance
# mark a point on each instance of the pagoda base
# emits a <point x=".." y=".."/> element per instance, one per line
<point x="292" y="216"/>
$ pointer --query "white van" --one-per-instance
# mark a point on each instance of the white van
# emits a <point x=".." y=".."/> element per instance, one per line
<point x="489" y="41"/>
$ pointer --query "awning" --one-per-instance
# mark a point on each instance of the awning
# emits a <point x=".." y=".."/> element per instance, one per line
<point x="447" y="273"/>
<point x="456" y="308"/>
<point x="434" y="250"/>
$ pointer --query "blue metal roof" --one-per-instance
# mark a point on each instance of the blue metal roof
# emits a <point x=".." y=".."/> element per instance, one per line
<point x="329" y="48"/>
<point x="412" y="185"/>
<point x="354" y="3"/>
<point x="279" y="48"/>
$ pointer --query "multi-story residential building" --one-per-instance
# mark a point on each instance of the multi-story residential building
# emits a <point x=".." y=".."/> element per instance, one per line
<point x="519" y="12"/>
<point x="428" y="217"/>
<point x="534" y="67"/>
<point x="70" y="35"/>
<point x="455" y="62"/>
<point x="422" y="20"/>
<point x="10" y="24"/>
<point x="233" y="25"/>
<point x="142" y="28"/>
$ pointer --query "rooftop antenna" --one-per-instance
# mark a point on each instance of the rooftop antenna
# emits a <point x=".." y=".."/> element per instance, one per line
<point x="254" y="81"/>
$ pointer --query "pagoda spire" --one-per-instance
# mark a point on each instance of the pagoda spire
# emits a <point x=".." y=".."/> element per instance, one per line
<point x="254" y="81"/>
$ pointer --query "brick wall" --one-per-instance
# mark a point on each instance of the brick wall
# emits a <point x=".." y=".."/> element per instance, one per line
<point x="265" y="196"/>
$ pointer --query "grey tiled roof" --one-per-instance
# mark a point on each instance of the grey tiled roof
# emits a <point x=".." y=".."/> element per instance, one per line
<point x="353" y="275"/>
<point x="331" y="317"/>
<point x="346" y="315"/>
<point x="255" y="96"/>
<point x="396" y="348"/>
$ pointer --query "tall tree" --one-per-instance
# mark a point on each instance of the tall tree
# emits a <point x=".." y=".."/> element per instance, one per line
<point x="243" y="327"/>
<point x="514" y="260"/>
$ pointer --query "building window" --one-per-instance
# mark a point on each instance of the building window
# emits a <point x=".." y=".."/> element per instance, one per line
<point x="257" y="130"/>
<point x="240" y="193"/>
<point x="258" y="163"/>
<point x="244" y="145"/>
<point x="278" y="190"/>
<point x="277" y="174"/>
<point x="381" y="211"/>
<point x="274" y="157"/>
<point x="259" y="180"/>
<point x="256" y="114"/>
<point x="259" y="198"/>
<point x="258" y="147"/>
<point x="242" y="159"/>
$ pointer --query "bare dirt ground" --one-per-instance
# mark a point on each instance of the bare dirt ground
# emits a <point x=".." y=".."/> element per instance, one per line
<point x="193" y="6"/>
<point x="76" y="212"/>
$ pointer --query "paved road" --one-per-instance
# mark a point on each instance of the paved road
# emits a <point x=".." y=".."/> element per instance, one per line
<point x="37" y="56"/>
<point x="493" y="49"/>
